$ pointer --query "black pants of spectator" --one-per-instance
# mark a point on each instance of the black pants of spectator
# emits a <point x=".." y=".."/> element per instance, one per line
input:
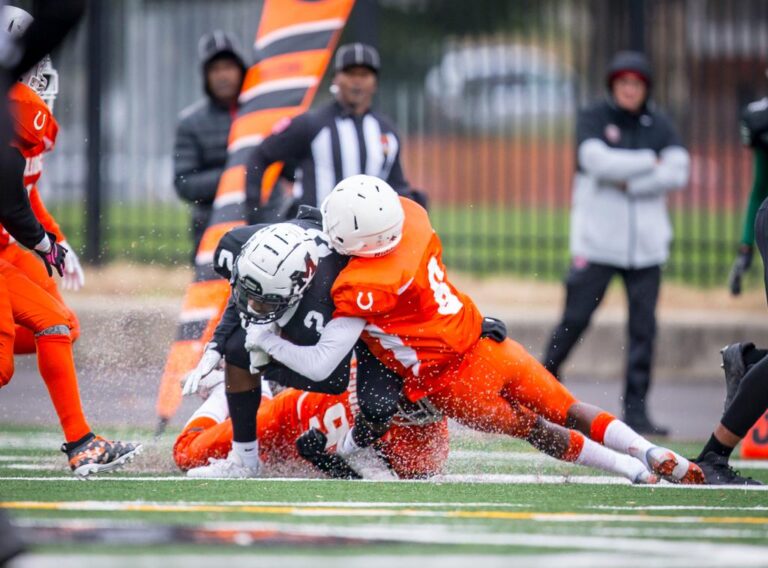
<point x="585" y="289"/>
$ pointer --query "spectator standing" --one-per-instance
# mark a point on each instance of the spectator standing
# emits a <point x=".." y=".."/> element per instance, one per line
<point x="629" y="157"/>
<point x="200" y="151"/>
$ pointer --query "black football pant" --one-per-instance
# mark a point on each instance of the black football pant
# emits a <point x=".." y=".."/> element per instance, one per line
<point x="585" y="289"/>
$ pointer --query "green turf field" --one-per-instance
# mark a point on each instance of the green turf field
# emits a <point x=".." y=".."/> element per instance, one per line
<point x="482" y="240"/>
<point x="497" y="498"/>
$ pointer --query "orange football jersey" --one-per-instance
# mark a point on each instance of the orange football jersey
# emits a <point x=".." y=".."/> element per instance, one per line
<point x="35" y="132"/>
<point x="418" y="322"/>
<point x="35" y="128"/>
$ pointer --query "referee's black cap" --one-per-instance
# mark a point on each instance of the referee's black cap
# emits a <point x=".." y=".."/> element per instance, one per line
<point x="354" y="54"/>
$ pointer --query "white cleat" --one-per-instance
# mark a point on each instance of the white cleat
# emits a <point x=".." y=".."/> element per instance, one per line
<point x="673" y="467"/>
<point x="229" y="468"/>
<point x="370" y="465"/>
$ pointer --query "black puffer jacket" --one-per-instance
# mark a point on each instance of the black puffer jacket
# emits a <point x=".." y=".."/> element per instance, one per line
<point x="200" y="151"/>
<point x="199" y="157"/>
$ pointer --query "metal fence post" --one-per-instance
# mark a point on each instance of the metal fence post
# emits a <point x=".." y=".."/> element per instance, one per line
<point x="637" y="17"/>
<point x="94" y="185"/>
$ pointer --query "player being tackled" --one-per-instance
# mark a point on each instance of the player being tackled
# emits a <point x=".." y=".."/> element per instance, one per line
<point x="395" y="294"/>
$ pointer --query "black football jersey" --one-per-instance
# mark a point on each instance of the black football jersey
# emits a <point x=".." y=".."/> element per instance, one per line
<point x="314" y="310"/>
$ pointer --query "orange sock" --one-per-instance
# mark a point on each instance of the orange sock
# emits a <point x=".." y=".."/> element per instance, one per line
<point x="575" y="446"/>
<point x="599" y="425"/>
<point x="57" y="367"/>
<point x="24" y="341"/>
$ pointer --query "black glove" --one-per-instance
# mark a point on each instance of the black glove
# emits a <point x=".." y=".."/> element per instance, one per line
<point x="493" y="328"/>
<point x="54" y="257"/>
<point x="740" y="267"/>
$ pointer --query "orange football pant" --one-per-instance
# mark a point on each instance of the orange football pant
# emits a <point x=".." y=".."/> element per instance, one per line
<point x="412" y="451"/>
<point x="31" y="265"/>
<point x="501" y="388"/>
<point x="25" y="303"/>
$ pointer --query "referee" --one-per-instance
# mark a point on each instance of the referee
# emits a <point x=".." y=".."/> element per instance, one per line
<point x="327" y="144"/>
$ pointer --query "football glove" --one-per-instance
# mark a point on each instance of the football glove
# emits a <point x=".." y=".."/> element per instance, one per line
<point x="256" y="333"/>
<point x="208" y="362"/>
<point x="493" y="328"/>
<point x="73" y="278"/>
<point x="52" y="253"/>
<point x="740" y="267"/>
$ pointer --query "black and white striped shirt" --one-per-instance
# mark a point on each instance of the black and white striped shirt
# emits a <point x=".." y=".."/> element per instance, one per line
<point x="326" y="145"/>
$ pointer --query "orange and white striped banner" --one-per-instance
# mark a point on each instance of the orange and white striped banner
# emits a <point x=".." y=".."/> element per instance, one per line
<point x="294" y="43"/>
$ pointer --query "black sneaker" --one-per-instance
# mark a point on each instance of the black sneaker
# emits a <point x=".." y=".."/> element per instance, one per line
<point x="734" y="368"/>
<point x="97" y="455"/>
<point x="717" y="471"/>
<point x="643" y="425"/>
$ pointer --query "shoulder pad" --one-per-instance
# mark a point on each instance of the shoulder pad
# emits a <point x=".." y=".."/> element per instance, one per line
<point x="310" y="213"/>
<point x="229" y="248"/>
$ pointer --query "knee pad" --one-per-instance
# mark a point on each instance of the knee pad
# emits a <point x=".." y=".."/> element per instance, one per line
<point x="54" y="330"/>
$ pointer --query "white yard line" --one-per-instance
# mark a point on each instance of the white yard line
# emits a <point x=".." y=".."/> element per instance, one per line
<point x="503" y="479"/>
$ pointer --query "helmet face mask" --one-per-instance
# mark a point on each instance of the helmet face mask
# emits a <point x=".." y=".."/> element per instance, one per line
<point x="272" y="272"/>
<point x="51" y="77"/>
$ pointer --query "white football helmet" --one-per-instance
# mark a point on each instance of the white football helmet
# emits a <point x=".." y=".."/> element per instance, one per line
<point x="15" y="22"/>
<point x="273" y="270"/>
<point x="363" y="216"/>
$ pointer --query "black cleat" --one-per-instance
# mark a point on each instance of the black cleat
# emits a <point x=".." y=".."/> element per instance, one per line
<point x="717" y="471"/>
<point x="734" y="368"/>
<point x="311" y="447"/>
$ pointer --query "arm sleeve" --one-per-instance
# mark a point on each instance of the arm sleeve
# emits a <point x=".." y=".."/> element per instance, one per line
<point x="16" y="213"/>
<point x="44" y="216"/>
<point x="192" y="183"/>
<point x="670" y="174"/>
<point x="229" y="322"/>
<point x="598" y="159"/>
<point x="287" y="145"/>
<point x="317" y="362"/>
<point x="757" y="195"/>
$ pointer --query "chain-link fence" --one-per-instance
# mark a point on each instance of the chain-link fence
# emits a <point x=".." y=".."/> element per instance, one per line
<point x="484" y="100"/>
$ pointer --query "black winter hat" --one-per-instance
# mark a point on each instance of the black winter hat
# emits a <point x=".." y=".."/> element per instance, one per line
<point x="217" y="44"/>
<point x="352" y="54"/>
<point x="632" y="61"/>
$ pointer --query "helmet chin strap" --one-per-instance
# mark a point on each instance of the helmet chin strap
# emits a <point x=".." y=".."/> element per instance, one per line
<point x="286" y="317"/>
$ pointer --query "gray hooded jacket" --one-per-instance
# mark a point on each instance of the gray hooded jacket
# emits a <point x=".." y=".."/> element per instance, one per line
<point x="626" y="165"/>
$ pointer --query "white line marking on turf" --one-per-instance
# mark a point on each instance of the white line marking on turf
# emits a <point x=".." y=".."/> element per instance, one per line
<point x="454" y="478"/>
<point x="750" y="464"/>
<point x="300" y="510"/>
<point x="501" y="479"/>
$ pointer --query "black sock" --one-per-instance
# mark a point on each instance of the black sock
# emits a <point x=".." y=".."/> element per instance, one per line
<point x="69" y="446"/>
<point x="242" y="409"/>
<point x="714" y="445"/>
